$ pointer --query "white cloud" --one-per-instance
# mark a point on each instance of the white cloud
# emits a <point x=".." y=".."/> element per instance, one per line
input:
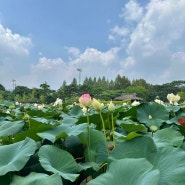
<point x="175" y="70"/>
<point x="132" y="11"/>
<point x="151" y="46"/>
<point x="73" y="50"/>
<point x="13" y="44"/>
<point x="118" y="32"/>
<point x="93" y="56"/>
<point x="14" y="53"/>
<point x="15" y="49"/>
<point x="48" y="64"/>
<point x="157" y="36"/>
<point x="92" y="62"/>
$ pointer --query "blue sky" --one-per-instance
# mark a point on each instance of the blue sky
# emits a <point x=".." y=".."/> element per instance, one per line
<point x="49" y="40"/>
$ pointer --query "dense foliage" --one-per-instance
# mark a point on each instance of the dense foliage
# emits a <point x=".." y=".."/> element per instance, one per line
<point x="92" y="143"/>
<point x="100" y="88"/>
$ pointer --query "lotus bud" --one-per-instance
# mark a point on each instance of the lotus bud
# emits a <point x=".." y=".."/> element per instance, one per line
<point x="97" y="105"/>
<point x="111" y="106"/>
<point x="149" y="117"/>
<point x="85" y="110"/>
<point x="26" y="117"/>
<point x="85" y="100"/>
<point x="12" y="107"/>
<point x="153" y="128"/>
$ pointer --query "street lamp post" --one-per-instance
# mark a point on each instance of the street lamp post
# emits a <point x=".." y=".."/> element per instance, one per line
<point x="79" y="70"/>
<point x="14" y="84"/>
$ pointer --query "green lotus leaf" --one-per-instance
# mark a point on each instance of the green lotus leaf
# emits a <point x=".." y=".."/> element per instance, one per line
<point x="128" y="111"/>
<point x="59" y="161"/>
<point x="168" y="136"/>
<point x="13" y="157"/>
<point x="97" y="151"/>
<point x="32" y="132"/>
<point x="152" y="114"/>
<point x="9" y="128"/>
<point x="37" y="179"/>
<point x="76" y="112"/>
<point x="168" y="160"/>
<point x="140" y="147"/>
<point x="6" y="104"/>
<point x="63" y="131"/>
<point x="68" y="120"/>
<point x="130" y="136"/>
<point x="128" y="172"/>
<point x="130" y="126"/>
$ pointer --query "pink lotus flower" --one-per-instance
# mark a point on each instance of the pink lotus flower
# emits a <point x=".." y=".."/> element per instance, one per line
<point x="85" y="100"/>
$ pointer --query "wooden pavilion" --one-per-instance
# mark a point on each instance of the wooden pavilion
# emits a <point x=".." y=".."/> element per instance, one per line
<point x="128" y="96"/>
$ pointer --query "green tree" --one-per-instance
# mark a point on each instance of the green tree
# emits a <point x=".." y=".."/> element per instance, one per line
<point x="163" y="90"/>
<point x="182" y="95"/>
<point x="121" y="82"/>
<point x="140" y="82"/>
<point x="2" y="88"/>
<point x="45" y="88"/>
<point x="141" y="91"/>
<point x="21" y="90"/>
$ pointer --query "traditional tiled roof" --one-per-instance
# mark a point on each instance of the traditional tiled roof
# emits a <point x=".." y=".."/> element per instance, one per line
<point x="128" y="96"/>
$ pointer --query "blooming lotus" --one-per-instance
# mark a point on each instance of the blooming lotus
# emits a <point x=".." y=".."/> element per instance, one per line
<point x="58" y="102"/>
<point x="135" y="103"/>
<point x="35" y="105"/>
<point x="173" y="99"/>
<point x="85" y="100"/>
<point x="159" y="101"/>
<point x="181" y="121"/>
<point x="40" y="106"/>
<point x="16" y="103"/>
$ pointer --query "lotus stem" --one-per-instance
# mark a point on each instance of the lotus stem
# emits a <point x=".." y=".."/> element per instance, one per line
<point x="113" y="136"/>
<point x="89" y="138"/>
<point x="104" y="132"/>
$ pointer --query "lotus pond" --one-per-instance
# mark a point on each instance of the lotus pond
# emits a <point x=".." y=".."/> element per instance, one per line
<point x="93" y="144"/>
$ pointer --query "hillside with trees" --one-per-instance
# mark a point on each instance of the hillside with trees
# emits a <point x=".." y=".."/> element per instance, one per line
<point x="101" y="88"/>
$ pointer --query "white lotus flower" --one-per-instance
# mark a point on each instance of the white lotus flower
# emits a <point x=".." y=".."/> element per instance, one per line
<point x="58" y="102"/>
<point x="173" y="99"/>
<point x="135" y="103"/>
<point x="159" y="101"/>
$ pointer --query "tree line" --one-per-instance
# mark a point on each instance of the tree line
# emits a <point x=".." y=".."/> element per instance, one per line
<point x="100" y="88"/>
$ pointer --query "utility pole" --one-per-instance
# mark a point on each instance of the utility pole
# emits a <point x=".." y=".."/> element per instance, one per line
<point x="14" y="84"/>
<point x="79" y="70"/>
